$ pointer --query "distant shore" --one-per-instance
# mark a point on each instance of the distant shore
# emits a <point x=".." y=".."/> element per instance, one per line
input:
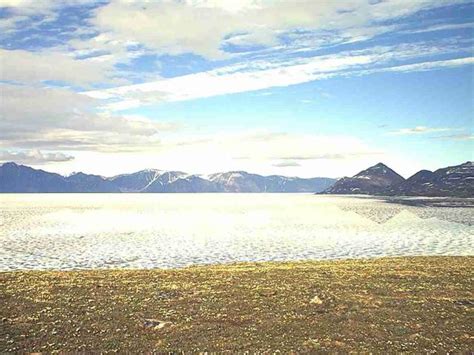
<point x="414" y="304"/>
<point x="422" y="201"/>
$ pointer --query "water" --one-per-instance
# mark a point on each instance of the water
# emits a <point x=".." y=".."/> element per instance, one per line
<point x="82" y="231"/>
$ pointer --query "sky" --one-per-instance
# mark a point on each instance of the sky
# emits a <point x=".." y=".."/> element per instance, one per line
<point x="298" y="88"/>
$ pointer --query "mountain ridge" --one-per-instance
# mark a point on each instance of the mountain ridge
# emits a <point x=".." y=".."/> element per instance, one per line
<point x="21" y="178"/>
<point x="455" y="181"/>
<point x="379" y="179"/>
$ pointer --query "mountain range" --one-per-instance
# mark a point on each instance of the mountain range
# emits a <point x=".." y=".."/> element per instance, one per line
<point x="20" y="178"/>
<point x="456" y="181"/>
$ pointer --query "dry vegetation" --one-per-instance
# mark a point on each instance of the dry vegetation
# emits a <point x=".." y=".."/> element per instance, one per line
<point x="395" y="304"/>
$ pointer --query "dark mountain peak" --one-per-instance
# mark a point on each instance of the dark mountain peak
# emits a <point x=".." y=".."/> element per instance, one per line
<point x="10" y="164"/>
<point x="421" y="174"/>
<point x="424" y="171"/>
<point x="21" y="178"/>
<point x="380" y="165"/>
<point x="174" y="173"/>
<point x="239" y="172"/>
<point x="235" y="173"/>
<point x="375" y="180"/>
<point x="76" y="173"/>
<point x="81" y="175"/>
<point x="82" y="182"/>
<point x="379" y="169"/>
<point x="421" y="177"/>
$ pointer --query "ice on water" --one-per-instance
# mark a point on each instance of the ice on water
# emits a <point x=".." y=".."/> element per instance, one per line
<point x="77" y="231"/>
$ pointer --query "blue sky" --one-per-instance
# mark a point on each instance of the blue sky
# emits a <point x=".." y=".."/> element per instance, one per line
<point x="307" y="88"/>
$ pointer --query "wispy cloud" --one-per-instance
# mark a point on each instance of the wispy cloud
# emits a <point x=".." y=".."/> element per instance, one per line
<point x="456" y="137"/>
<point x="419" y="130"/>
<point x="288" y="147"/>
<point x="450" y="63"/>
<point x="442" y="27"/>
<point x="231" y="80"/>
<point x="286" y="164"/>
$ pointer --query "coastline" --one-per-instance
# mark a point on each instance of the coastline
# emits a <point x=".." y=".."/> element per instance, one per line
<point x="414" y="304"/>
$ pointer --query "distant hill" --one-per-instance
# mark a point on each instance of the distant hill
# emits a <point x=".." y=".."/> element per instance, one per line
<point x="456" y="181"/>
<point x="91" y="183"/>
<point x="20" y="178"/>
<point x="241" y="181"/>
<point x="451" y="181"/>
<point x="372" y="181"/>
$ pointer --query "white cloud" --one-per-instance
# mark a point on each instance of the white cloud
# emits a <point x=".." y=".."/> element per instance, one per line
<point x="180" y="26"/>
<point x="31" y="13"/>
<point x="226" y="81"/>
<point x="39" y="6"/>
<point x="33" y="67"/>
<point x="34" y="157"/>
<point x="130" y="29"/>
<point x="61" y="119"/>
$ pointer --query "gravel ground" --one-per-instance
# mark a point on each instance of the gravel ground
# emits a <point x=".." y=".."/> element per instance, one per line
<point x="416" y="304"/>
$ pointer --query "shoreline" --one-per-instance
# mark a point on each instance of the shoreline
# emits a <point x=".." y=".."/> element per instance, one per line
<point x="232" y="264"/>
<point x="384" y="304"/>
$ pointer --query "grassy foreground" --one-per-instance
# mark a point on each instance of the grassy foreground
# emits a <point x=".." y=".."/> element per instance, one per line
<point x="394" y="304"/>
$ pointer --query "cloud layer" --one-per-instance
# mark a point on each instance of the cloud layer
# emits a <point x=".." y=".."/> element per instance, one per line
<point x="58" y="118"/>
<point x="180" y="26"/>
<point x="88" y="77"/>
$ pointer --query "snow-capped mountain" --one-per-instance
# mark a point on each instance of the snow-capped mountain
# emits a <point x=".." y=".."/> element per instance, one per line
<point x="19" y="178"/>
<point x="190" y="183"/>
<point x="241" y="181"/>
<point x="136" y="182"/>
<point x="233" y="181"/>
<point x="238" y="181"/>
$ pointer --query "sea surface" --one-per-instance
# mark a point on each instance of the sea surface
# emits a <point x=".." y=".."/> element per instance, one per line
<point x="88" y="231"/>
